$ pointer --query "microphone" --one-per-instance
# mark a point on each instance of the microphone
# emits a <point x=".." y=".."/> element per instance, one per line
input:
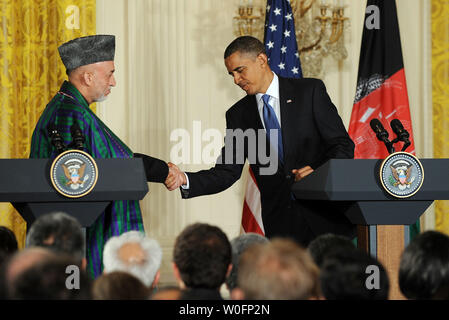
<point x="382" y="134"/>
<point x="55" y="138"/>
<point x="77" y="137"/>
<point x="401" y="133"/>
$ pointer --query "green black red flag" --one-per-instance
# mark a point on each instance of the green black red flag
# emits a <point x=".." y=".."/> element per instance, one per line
<point x="381" y="86"/>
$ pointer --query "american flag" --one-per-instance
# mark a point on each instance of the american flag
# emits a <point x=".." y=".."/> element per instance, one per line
<point x="280" y="39"/>
<point x="283" y="58"/>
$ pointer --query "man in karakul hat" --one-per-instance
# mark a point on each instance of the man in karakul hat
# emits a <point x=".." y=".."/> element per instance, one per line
<point x="89" y="63"/>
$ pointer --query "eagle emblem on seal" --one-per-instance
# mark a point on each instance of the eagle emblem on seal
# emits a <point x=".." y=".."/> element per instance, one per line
<point x="74" y="172"/>
<point x="402" y="171"/>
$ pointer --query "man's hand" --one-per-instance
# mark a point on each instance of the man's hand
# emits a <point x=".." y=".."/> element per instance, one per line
<point x="302" y="173"/>
<point x="175" y="178"/>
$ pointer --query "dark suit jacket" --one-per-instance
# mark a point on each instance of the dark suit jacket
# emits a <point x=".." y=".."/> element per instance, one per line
<point x="312" y="133"/>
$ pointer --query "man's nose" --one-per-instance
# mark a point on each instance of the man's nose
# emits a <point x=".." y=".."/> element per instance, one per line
<point x="112" y="83"/>
<point x="236" y="78"/>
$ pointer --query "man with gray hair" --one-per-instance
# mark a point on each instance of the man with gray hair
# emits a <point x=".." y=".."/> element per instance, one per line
<point x="59" y="232"/>
<point x="135" y="253"/>
<point x="239" y="245"/>
<point x="90" y="68"/>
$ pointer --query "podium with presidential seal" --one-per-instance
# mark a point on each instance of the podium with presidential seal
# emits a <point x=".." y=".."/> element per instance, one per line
<point x="383" y="197"/>
<point x="73" y="182"/>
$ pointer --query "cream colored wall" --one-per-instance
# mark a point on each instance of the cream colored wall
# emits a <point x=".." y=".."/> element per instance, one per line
<point x="170" y="73"/>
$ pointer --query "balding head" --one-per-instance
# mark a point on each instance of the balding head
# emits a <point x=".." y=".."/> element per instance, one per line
<point x="134" y="253"/>
<point x="25" y="259"/>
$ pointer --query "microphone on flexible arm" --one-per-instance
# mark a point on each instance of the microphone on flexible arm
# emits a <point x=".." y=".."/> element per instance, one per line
<point x="401" y="133"/>
<point x="382" y="134"/>
<point x="55" y="138"/>
<point x="77" y="137"/>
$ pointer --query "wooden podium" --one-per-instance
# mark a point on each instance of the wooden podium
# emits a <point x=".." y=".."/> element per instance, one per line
<point x="382" y="220"/>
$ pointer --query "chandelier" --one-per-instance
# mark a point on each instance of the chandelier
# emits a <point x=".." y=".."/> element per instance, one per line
<point x="320" y="29"/>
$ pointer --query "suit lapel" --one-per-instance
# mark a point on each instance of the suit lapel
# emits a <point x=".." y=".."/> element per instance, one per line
<point x="253" y="114"/>
<point x="288" y="125"/>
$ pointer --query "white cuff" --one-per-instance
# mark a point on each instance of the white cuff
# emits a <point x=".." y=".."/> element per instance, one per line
<point x="187" y="185"/>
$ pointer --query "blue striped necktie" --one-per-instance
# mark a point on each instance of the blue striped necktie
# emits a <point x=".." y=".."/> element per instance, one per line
<point x="272" y="123"/>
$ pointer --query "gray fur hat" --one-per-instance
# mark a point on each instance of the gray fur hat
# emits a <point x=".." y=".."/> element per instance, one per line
<point x="86" y="50"/>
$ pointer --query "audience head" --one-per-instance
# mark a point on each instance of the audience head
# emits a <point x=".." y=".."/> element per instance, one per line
<point x="239" y="245"/>
<point x="277" y="270"/>
<point x="60" y="233"/>
<point x="53" y="278"/>
<point x="325" y="244"/>
<point x="201" y="257"/>
<point x="8" y="243"/>
<point x="136" y="254"/>
<point x="119" y="285"/>
<point x="25" y="259"/>
<point x="353" y="275"/>
<point x="424" y="267"/>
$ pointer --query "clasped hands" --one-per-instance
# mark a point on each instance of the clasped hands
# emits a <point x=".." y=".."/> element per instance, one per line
<point x="177" y="178"/>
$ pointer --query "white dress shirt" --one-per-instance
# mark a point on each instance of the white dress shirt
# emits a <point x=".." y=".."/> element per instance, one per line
<point x="273" y="92"/>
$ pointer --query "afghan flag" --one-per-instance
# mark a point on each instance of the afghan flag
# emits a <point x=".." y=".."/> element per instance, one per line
<point x="381" y="87"/>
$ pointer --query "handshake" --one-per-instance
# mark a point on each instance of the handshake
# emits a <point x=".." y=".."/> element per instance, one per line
<point x="175" y="178"/>
<point x="156" y="171"/>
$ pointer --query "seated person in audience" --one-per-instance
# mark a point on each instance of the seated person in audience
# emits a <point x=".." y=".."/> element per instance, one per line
<point x="424" y="267"/>
<point x="239" y="245"/>
<point x="55" y="278"/>
<point x="353" y="275"/>
<point x="135" y="253"/>
<point x="18" y="263"/>
<point x="60" y="233"/>
<point x="327" y="243"/>
<point x="201" y="261"/>
<point x="119" y="285"/>
<point x="277" y="270"/>
<point x="8" y="243"/>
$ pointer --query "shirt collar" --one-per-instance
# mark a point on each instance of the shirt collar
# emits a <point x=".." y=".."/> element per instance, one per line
<point x="273" y="89"/>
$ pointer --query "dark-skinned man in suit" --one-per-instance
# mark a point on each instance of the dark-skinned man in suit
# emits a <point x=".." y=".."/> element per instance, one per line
<point x="310" y="133"/>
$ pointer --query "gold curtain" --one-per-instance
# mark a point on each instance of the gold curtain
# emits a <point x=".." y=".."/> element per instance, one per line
<point x="31" y="72"/>
<point x="440" y="96"/>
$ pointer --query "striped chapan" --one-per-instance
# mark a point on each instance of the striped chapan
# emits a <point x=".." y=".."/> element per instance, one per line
<point x="68" y="106"/>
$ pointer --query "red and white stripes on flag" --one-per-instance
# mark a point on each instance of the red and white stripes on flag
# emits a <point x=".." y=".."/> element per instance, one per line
<point x="252" y="208"/>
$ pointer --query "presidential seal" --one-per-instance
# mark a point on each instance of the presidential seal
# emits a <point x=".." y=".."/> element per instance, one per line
<point x="401" y="174"/>
<point x="74" y="173"/>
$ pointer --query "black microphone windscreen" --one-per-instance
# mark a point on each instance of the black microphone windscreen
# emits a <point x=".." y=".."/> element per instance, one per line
<point x="396" y="126"/>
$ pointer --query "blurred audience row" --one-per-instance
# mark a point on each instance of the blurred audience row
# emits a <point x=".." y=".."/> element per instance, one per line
<point x="206" y="264"/>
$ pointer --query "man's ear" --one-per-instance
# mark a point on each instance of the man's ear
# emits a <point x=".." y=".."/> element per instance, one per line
<point x="88" y="78"/>
<point x="237" y="294"/>
<point x="178" y="276"/>
<point x="229" y="270"/>
<point x="84" y="264"/>
<point x="262" y="59"/>
<point x="156" y="279"/>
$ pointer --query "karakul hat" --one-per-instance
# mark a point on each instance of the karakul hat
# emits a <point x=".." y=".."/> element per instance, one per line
<point x="86" y="50"/>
